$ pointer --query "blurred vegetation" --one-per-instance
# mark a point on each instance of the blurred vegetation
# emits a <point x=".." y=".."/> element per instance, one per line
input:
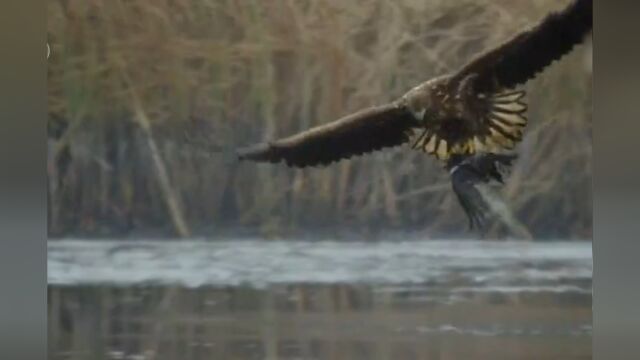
<point x="127" y="77"/>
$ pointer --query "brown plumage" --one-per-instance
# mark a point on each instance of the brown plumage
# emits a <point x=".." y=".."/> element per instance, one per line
<point x="473" y="110"/>
<point x="361" y="132"/>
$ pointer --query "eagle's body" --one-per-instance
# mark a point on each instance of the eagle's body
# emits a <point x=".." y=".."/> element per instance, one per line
<point x="474" y="110"/>
<point x="457" y="119"/>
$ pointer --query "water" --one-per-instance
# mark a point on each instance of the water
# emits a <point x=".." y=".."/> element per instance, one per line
<point x="481" y="265"/>
<point x="319" y="300"/>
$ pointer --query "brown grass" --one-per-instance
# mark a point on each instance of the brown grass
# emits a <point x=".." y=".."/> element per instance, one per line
<point x="253" y="70"/>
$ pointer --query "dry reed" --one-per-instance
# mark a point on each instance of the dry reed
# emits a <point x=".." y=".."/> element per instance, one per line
<point x="252" y="70"/>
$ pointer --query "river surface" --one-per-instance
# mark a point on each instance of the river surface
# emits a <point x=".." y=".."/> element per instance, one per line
<point x="259" y="299"/>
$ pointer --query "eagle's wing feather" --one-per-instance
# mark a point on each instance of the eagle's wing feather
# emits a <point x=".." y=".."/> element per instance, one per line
<point x="519" y="59"/>
<point x="361" y="132"/>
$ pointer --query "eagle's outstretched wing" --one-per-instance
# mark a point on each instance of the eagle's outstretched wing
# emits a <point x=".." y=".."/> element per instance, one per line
<point x="519" y="59"/>
<point x="361" y="132"/>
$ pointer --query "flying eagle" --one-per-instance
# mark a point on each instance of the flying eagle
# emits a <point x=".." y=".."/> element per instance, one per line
<point x="475" y="110"/>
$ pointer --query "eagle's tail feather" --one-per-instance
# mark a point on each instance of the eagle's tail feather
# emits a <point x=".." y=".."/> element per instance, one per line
<point x="432" y="144"/>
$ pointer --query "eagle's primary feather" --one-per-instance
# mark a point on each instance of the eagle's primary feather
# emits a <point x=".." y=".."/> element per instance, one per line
<point x="519" y="59"/>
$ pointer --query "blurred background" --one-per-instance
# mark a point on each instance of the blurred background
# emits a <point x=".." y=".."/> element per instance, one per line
<point x="163" y="247"/>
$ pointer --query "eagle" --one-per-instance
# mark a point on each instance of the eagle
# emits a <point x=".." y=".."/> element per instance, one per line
<point x="464" y="118"/>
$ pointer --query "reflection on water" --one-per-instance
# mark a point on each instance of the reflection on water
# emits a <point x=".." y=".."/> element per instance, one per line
<point x="537" y="307"/>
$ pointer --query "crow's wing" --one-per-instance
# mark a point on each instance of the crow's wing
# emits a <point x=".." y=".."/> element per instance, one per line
<point x="520" y="58"/>
<point x="361" y="132"/>
<point x="469" y="174"/>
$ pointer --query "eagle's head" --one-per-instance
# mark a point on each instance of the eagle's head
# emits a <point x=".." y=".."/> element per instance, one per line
<point x="421" y="99"/>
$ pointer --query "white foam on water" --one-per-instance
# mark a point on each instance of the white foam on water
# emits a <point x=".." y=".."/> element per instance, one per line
<point x="260" y="263"/>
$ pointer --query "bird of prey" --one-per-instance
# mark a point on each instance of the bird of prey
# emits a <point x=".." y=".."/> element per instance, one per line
<point x="475" y="110"/>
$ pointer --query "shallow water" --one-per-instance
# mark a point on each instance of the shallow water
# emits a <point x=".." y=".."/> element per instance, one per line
<point x="320" y="300"/>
